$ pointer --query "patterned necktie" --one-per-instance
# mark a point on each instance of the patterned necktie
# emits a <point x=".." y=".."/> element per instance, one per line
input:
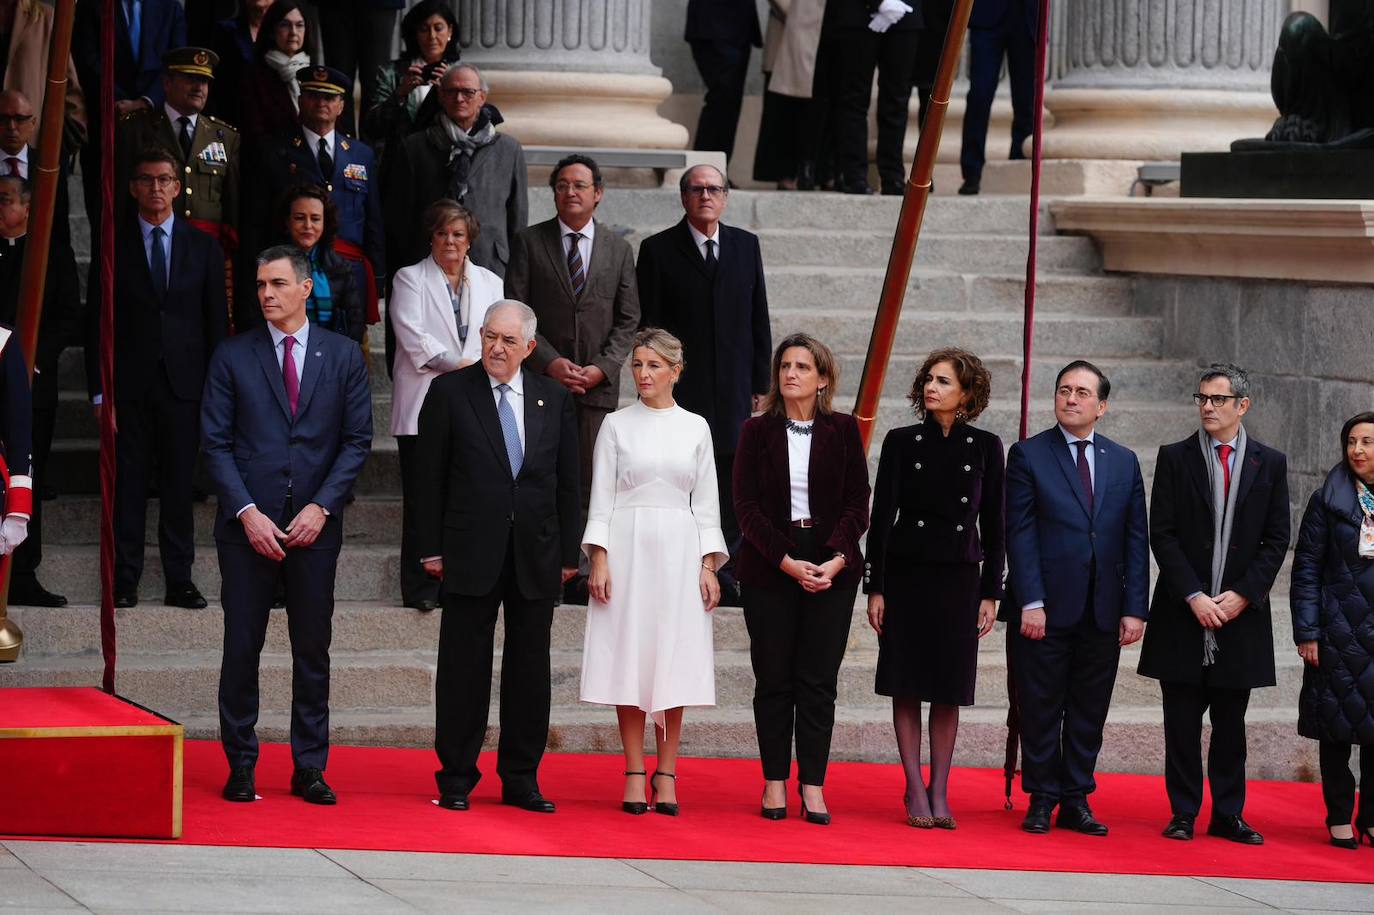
<point x="13" y="163"/>
<point x="1085" y="474"/>
<point x="288" y="373"/>
<point x="711" y="262"/>
<point x="184" y="136"/>
<point x="1224" y="453"/>
<point x="157" y="264"/>
<point x="577" y="272"/>
<point x="510" y="431"/>
<point x="326" y="161"/>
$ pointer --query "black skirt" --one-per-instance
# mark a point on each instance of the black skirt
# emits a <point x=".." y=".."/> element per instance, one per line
<point x="929" y="646"/>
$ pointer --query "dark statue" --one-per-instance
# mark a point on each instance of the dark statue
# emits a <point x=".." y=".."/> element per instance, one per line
<point x="1323" y="82"/>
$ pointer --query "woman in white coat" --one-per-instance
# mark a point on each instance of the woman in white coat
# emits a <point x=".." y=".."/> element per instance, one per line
<point x="654" y="542"/>
<point x="436" y="310"/>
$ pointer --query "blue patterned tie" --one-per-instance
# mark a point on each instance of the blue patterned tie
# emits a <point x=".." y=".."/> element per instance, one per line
<point x="509" y="431"/>
<point x="577" y="272"/>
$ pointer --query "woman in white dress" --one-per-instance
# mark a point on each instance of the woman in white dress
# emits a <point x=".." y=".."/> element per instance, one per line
<point x="654" y="542"/>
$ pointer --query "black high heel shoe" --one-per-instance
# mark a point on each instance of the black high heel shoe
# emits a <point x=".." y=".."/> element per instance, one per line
<point x="1351" y="843"/>
<point x="820" y="819"/>
<point x="635" y="808"/>
<point x="663" y="807"/>
<point x="774" y="813"/>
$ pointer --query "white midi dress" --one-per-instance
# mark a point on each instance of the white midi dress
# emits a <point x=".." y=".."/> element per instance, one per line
<point x="655" y="509"/>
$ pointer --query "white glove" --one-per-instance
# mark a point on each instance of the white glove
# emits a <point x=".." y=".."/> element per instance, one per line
<point x="13" y="530"/>
<point x="889" y="11"/>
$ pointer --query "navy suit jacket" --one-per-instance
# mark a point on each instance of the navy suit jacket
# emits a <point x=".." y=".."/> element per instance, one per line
<point x="1056" y="544"/>
<point x="163" y="27"/>
<point x="992" y="14"/>
<point x="254" y="449"/>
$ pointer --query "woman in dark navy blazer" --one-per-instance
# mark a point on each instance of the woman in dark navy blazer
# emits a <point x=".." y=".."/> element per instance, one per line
<point x="801" y="497"/>
<point x="937" y="514"/>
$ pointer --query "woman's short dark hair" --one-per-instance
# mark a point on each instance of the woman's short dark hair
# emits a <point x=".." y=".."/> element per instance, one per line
<point x="1356" y="420"/>
<point x="827" y="366"/>
<point x="267" y="31"/>
<point x="417" y="16"/>
<point x="1104" y="387"/>
<point x="576" y="159"/>
<point x="971" y="374"/>
<point x="444" y="211"/>
<point x="310" y="192"/>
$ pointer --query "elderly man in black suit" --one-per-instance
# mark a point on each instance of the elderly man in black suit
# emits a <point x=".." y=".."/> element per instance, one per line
<point x="1219" y="528"/>
<point x="171" y="312"/>
<point x="501" y="527"/>
<point x="703" y="282"/>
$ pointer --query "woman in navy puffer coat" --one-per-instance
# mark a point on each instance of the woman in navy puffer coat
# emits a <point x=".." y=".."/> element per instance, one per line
<point x="1333" y="624"/>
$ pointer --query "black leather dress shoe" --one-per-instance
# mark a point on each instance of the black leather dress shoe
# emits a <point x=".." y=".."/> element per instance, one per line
<point x="32" y="594"/>
<point x="1079" y="818"/>
<point x="533" y="801"/>
<point x="424" y="606"/>
<point x="239" y="788"/>
<point x="186" y="595"/>
<point x="1180" y="827"/>
<point x="310" y="785"/>
<point x="453" y="801"/>
<point x="123" y="601"/>
<point x="1037" y="819"/>
<point x="970" y="189"/>
<point x="1235" y="829"/>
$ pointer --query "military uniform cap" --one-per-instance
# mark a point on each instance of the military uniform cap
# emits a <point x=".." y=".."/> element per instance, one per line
<point x="325" y="80"/>
<point x="191" y="61"/>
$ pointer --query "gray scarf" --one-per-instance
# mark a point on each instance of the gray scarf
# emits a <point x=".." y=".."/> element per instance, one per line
<point x="463" y="145"/>
<point x="1223" y="513"/>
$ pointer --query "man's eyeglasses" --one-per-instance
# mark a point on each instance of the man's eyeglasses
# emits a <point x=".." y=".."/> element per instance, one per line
<point x="462" y="92"/>
<point x="707" y="190"/>
<point x="1218" y="400"/>
<point x="581" y="187"/>
<point x="147" y="181"/>
<point x="7" y="120"/>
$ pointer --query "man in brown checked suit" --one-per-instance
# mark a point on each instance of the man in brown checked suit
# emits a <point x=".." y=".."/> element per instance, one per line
<point x="579" y="277"/>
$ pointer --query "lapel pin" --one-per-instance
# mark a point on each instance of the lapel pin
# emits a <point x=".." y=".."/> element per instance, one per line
<point x="540" y="402"/>
<point x="318" y="353"/>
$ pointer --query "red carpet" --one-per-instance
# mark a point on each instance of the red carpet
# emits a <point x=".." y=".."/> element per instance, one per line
<point x="386" y="804"/>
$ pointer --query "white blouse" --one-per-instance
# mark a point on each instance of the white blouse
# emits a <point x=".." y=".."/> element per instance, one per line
<point x="798" y="468"/>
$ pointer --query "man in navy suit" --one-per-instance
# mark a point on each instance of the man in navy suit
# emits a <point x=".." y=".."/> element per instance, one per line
<point x="170" y="314"/>
<point x="998" y="30"/>
<point x="315" y="153"/>
<point x="287" y="421"/>
<point x="703" y="282"/>
<point x="1079" y="574"/>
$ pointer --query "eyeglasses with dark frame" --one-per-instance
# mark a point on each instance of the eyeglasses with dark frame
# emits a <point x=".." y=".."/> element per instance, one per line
<point x="1218" y="400"/>
<point x="707" y="190"/>
<point x="159" y="180"/>
<point x="463" y="92"/>
<point x="15" y="119"/>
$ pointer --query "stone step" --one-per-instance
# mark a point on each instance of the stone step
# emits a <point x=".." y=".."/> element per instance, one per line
<point x="960" y="253"/>
<point x="1133" y="739"/>
<point x="649" y="210"/>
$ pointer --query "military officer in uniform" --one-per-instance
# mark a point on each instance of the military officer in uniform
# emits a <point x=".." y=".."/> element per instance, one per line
<point x="315" y="153"/>
<point x="206" y="150"/>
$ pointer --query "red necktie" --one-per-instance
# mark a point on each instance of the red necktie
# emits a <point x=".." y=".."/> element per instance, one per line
<point x="1224" y="453"/>
<point x="288" y="373"/>
<point x="13" y="163"/>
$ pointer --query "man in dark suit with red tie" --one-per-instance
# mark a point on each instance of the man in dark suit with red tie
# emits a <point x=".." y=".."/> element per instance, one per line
<point x="287" y="428"/>
<point x="702" y="281"/>
<point x="1219" y="526"/>
<point x="170" y="312"/>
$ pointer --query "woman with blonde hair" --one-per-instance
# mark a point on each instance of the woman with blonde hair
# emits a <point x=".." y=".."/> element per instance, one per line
<point x="654" y="542"/>
<point x="801" y="497"/>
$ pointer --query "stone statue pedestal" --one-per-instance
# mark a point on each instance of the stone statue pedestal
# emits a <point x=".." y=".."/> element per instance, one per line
<point x="1283" y="174"/>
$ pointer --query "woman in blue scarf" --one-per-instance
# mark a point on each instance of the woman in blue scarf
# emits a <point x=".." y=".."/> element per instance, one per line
<point x="311" y="223"/>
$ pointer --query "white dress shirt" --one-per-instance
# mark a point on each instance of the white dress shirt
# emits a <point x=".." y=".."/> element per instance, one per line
<point x="22" y="157"/>
<point x="174" y="116"/>
<point x="799" y="469"/>
<point x="584" y="245"/>
<point x="312" y="140"/>
<point x="700" y="240"/>
<point x="515" y="397"/>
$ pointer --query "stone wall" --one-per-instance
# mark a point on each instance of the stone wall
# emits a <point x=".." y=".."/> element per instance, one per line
<point x="1305" y="346"/>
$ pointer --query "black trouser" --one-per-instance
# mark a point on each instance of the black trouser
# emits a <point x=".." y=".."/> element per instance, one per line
<point x="1184" y="706"/>
<point x="158" y="438"/>
<point x="892" y="54"/>
<point x="729" y="524"/>
<point x="1338" y="784"/>
<point x="723" y="68"/>
<point x="796" y="643"/>
<point x="250" y="581"/>
<point x="462" y="688"/>
<point x="357" y="41"/>
<point x="1064" y="687"/>
<point x="987" y="48"/>
<point x="30" y="552"/>
<point x="415" y="584"/>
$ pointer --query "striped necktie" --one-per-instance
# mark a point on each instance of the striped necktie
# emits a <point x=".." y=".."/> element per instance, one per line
<point x="510" y="431"/>
<point x="577" y="271"/>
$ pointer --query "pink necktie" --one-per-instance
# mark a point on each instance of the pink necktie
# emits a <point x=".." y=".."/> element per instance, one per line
<point x="288" y="373"/>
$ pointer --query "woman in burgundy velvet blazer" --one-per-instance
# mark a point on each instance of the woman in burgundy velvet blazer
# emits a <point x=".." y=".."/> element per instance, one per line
<point x="801" y="497"/>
